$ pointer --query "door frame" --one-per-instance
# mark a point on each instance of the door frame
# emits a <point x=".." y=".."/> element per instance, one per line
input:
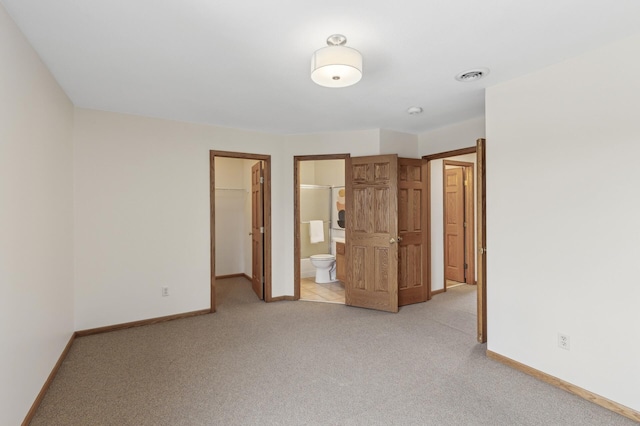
<point x="469" y="234"/>
<point x="481" y="288"/>
<point x="296" y="210"/>
<point x="266" y="159"/>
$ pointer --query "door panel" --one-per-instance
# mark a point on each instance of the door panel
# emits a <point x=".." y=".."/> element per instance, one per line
<point x="371" y="232"/>
<point x="412" y="268"/>
<point x="257" y="225"/>
<point x="454" y="224"/>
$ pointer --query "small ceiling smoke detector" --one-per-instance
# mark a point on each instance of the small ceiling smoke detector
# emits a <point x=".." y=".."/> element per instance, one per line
<point x="414" y="110"/>
<point x="472" y="75"/>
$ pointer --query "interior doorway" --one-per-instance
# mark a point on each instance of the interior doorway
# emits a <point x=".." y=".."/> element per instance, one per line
<point x="319" y="182"/>
<point x="241" y="192"/>
<point x="437" y="172"/>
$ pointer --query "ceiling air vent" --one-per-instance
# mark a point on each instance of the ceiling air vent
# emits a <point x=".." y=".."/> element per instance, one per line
<point x="472" y="75"/>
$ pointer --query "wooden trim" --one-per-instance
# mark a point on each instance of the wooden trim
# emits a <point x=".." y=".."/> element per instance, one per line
<point x="223" y="277"/>
<point x="296" y="228"/>
<point x="34" y="407"/>
<point x="444" y="226"/>
<point x="434" y="292"/>
<point x="212" y="229"/>
<point x="566" y="386"/>
<point x="481" y="240"/>
<point x="296" y="212"/>
<point x="456" y="152"/>
<point x="247" y="276"/>
<point x="266" y="159"/>
<point x="266" y="218"/>
<point x="123" y="326"/>
<point x="427" y="165"/>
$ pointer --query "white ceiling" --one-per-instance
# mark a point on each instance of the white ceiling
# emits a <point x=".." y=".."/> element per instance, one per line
<point x="245" y="64"/>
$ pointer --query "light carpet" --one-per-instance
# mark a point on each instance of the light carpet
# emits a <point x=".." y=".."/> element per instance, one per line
<point x="304" y="363"/>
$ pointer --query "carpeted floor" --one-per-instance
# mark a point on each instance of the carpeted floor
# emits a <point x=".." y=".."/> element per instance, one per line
<point x="303" y="363"/>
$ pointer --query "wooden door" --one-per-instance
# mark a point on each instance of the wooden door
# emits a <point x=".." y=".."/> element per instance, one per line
<point x="371" y="232"/>
<point x="454" y="224"/>
<point x="482" y="240"/>
<point x="257" y="230"/>
<point x="412" y="205"/>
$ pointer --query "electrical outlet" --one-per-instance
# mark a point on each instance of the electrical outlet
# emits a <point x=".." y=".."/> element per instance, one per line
<point x="165" y="291"/>
<point x="563" y="341"/>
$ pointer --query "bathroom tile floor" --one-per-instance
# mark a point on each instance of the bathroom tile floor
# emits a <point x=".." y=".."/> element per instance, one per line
<point x="329" y="292"/>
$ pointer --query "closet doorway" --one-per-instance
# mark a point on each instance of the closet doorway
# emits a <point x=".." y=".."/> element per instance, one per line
<point x="240" y="186"/>
<point x="319" y="182"/>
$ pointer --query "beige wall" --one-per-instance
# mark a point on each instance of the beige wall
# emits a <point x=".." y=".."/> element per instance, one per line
<point x="403" y="144"/>
<point x="36" y="223"/>
<point x="448" y="138"/>
<point x="142" y="214"/>
<point x="562" y="229"/>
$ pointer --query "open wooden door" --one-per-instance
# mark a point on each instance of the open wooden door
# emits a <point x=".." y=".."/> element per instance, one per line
<point x="372" y="232"/>
<point x="482" y="240"/>
<point x="454" y="224"/>
<point x="257" y="230"/>
<point x="412" y="232"/>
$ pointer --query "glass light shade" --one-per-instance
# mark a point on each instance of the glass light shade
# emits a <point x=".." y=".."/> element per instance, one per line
<point x="336" y="66"/>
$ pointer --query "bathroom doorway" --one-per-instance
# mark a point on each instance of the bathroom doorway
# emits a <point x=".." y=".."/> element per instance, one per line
<point x="319" y="207"/>
<point x="240" y="186"/>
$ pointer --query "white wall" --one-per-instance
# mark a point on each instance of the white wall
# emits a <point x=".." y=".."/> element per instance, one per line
<point x="563" y="236"/>
<point x="142" y="214"/>
<point x="36" y="219"/>
<point x="437" y="217"/>
<point x="456" y="136"/>
<point x="403" y="144"/>
<point x="231" y="197"/>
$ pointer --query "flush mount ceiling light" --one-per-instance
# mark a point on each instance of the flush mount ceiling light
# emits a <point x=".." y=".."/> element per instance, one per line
<point x="472" y="75"/>
<point x="336" y="65"/>
<point x="414" y="110"/>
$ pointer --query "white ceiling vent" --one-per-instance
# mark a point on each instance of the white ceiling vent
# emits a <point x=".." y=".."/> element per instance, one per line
<point x="472" y="75"/>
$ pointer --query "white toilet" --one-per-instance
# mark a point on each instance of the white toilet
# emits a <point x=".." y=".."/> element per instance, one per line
<point x="325" y="265"/>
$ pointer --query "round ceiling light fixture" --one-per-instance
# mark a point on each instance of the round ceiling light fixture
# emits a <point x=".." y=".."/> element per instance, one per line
<point x="472" y="75"/>
<point x="414" y="110"/>
<point x="336" y="65"/>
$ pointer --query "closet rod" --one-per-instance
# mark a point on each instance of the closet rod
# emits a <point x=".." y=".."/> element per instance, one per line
<point x="324" y="221"/>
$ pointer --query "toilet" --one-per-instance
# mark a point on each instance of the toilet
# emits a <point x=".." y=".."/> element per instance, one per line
<point x="325" y="265"/>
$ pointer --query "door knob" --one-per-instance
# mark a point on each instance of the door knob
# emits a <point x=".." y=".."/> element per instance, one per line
<point x="399" y="238"/>
<point x="250" y="233"/>
<point x="392" y="240"/>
